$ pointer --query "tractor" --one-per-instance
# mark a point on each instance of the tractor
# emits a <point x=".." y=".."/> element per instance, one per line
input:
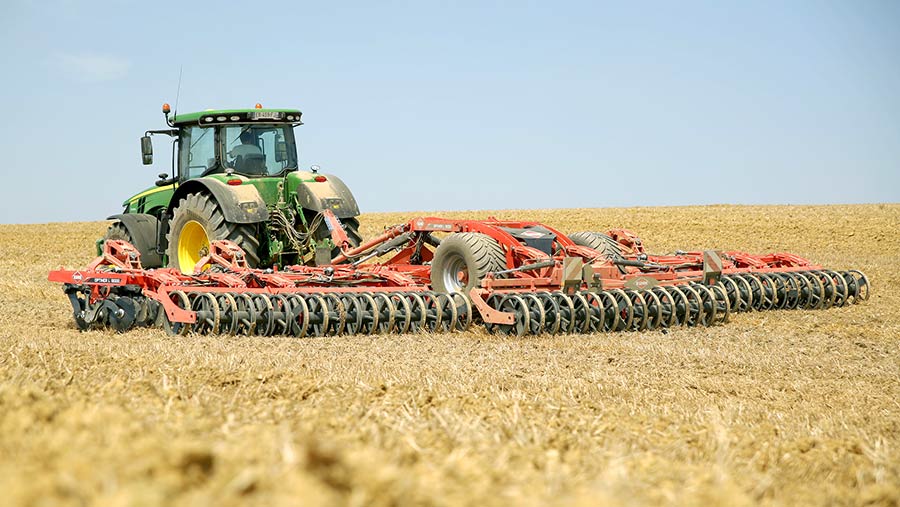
<point x="235" y="177"/>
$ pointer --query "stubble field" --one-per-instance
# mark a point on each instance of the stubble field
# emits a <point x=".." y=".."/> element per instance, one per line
<point x="774" y="408"/>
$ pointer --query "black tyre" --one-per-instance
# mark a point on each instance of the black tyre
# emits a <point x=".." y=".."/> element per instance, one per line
<point x="463" y="259"/>
<point x="599" y="242"/>
<point x="198" y="220"/>
<point x="149" y="259"/>
<point x="351" y="226"/>
<point x="118" y="231"/>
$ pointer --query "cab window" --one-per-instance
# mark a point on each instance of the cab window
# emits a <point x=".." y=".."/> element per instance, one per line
<point x="197" y="152"/>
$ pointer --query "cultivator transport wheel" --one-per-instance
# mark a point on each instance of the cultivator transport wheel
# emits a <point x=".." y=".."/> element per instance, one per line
<point x="197" y="221"/>
<point x="600" y="242"/>
<point x="463" y="259"/>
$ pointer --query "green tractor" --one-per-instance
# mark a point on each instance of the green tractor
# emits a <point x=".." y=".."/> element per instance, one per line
<point x="235" y="177"/>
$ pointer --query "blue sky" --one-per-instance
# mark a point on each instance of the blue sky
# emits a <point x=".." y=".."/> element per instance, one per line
<point x="456" y="105"/>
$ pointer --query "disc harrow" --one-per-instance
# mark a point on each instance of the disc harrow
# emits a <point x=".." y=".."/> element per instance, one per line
<point x="514" y="278"/>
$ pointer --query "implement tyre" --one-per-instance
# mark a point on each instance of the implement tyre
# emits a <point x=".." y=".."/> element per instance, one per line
<point x="198" y="220"/>
<point x="599" y="242"/>
<point x="463" y="259"/>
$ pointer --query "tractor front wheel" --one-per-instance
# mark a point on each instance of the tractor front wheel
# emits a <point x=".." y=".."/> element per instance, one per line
<point x="197" y="221"/>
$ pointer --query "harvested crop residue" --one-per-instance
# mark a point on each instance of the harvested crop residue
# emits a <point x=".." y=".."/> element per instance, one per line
<point x="789" y="407"/>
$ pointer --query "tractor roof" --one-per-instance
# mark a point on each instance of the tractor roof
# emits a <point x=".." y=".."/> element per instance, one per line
<point x="223" y="116"/>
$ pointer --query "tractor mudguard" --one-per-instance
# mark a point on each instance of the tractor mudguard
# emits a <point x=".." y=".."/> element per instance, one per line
<point x="142" y="229"/>
<point x="241" y="204"/>
<point x="330" y="194"/>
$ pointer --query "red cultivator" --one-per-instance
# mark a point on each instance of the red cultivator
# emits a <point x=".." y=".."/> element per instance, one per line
<point x="514" y="277"/>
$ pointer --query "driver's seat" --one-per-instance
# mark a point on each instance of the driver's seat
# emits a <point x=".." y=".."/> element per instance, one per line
<point x="251" y="163"/>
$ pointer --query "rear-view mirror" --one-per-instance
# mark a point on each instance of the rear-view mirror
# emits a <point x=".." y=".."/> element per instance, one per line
<point x="280" y="149"/>
<point x="146" y="150"/>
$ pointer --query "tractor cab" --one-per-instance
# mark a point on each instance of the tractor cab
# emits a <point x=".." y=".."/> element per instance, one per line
<point x="249" y="142"/>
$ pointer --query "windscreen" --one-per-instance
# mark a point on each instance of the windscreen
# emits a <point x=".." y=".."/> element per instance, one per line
<point x="259" y="150"/>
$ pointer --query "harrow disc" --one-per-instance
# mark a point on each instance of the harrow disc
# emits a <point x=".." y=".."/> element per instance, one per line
<point x="828" y="287"/>
<point x="707" y="306"/>
<point x="299" y="317"/>
<point x="245" y="315"/>
<point x="319" y="318"/>
<point x="265" y="315"/>
<point x="368" y="307"/>
<point x="432" y="311"/>
<point x="593" y="312"/>
<point x="566" y="308"/>
<point x="815" y="295"/>
<point x="517" y="306"/>
<point x="733" y="292"/>
<point x="654" y="310"/>
<point x="536" y="315"/>
<point x="668" y="317"/>
<point x="385" y="313"/>
<point x="841" y="292"/>
<point x="337" y="314"/>
<point x="418" y="312"/>
<point x="402" y="310"/>
<point x="464" y="314"/>
<point x="639" y="310"/>
<point x="791" y="292"/>
<point x="180" y="300"/>
<point x="581" y="316"/>
<point x="122" y="316"/>
<point x="355" y="317"/>
<point x="624" y="308"/>
<point x="447" y="318"/>
<point x="860" y="284"/>
<point x="552" y="313"/>
<point x="281" y="309"/>
<point x="721" y="304"/>
<point x="206" y="307"/>
<point x="227" y="307"/>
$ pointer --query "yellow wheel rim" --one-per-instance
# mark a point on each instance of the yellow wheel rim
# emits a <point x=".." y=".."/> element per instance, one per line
<point x="193" y="245"/>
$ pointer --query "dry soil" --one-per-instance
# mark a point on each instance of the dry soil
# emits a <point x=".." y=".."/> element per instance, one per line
<point x="774" y="408"/>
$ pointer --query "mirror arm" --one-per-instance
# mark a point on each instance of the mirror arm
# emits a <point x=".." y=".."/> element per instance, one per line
<point x="168" y="132"/>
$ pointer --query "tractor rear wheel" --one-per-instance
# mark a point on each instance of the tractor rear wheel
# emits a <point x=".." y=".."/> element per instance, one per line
<point x="197" y="221"/>
<point x="463" y="259"/>
<point x="599" y="242"/>
<point x="351" y="226"/>
<point x="118" y="231"/>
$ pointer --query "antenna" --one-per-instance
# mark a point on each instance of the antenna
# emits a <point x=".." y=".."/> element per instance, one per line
<point x="178" y="92"/>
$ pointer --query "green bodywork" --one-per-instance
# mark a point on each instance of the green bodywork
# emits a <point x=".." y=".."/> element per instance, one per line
<point x="194" y="118"/>
<point x="272" y="190"/>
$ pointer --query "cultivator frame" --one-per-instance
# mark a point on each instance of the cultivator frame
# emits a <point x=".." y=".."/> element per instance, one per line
<point x="550" y="284"/>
